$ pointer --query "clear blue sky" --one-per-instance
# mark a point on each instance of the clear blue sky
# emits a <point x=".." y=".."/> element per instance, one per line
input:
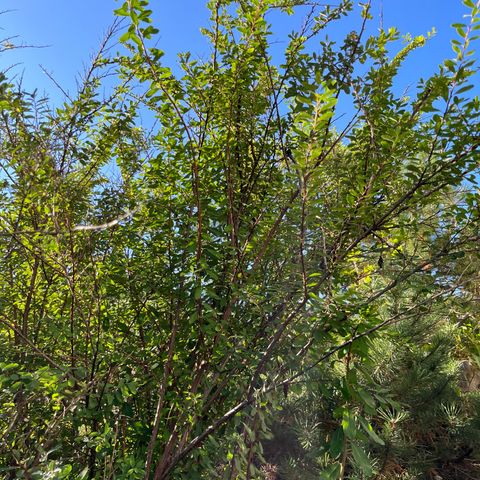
<point x="73" y="29"/>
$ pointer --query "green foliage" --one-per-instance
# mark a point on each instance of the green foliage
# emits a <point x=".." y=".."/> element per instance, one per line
<point x="165" y="281"/>
<point x="420" y="419"/>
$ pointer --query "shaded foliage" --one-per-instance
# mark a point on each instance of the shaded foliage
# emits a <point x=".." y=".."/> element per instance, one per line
<point x="167" y="282"/>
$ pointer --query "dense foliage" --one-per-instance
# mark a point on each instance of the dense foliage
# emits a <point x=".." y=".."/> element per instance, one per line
<point x="208" y="274"/>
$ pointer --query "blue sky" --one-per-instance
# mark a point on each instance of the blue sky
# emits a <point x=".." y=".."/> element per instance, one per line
<point x="73" y="29"/>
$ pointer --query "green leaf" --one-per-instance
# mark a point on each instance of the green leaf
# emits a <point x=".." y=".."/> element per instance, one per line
<point x="65" y="472"/>
<point x="149" y="31"/>
<point x="464" y="89"/>
<point x="336" y="443"/>
<point x="348" y="425"/>
<point x="460" y="31"/>
<point x="122" y="11"/>
<point x="10" y="366"/>
<point x="361" y="459"/>
<point x="331" y="472"/>
<point x="83" y="474"/>
<point x="125" y="37"/>
<point x="371" y="432"/>
<point x="367" y="398"/>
